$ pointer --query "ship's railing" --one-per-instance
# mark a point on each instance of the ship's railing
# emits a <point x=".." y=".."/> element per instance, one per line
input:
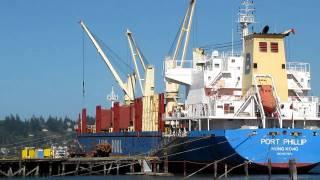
<point x="206" y="59"/>
<point x="170" y="64"/>
<point x="298" y="67"/>
<point x="200" y="110"/>
<point x="223" y="54"/>
<point x="232" y="54"/>
<point x="91" y="128"/>
<point x="308" y="99"/>
<point x="246" y="18"/>
<point x="227" y="98"/>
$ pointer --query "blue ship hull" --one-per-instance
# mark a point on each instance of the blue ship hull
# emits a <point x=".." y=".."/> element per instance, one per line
<point x="233" y="147"/>
<point x="123" y="143"/>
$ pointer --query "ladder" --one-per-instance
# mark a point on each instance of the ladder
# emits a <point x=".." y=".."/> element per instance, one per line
<point x="216" y="78"/>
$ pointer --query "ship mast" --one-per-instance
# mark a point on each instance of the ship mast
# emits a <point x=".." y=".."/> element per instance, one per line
<point x="246" y="17"/>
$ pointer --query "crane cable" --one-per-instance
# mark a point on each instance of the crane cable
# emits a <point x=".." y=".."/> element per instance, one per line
<point x="113" y="56"/>
<point x="83" y="65"/>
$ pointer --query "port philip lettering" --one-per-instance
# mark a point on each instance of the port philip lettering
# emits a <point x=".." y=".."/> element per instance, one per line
<point x="269" y="141"/>
<point x="290" y="142"/>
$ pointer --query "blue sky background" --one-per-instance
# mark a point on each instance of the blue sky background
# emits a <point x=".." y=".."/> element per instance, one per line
<point x="41" y="44"/>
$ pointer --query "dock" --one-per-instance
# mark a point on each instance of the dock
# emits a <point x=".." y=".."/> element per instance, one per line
<point x="119" y="165"/>
<point x="82" y="166"/>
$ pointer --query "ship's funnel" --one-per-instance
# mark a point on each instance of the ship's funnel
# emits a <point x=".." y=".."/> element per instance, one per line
<point x="265" y="30"/>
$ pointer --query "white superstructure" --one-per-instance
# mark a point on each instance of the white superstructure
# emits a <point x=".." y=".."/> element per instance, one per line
<point x="214" y="93"/>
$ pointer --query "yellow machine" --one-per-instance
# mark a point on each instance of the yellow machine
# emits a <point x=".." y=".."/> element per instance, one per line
<point x="47" y="153"/>
<point x="33" y="153"/>
<point x="28" y="153"/>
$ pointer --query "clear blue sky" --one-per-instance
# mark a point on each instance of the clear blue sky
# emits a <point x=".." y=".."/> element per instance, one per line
<point x="41" y="44"/>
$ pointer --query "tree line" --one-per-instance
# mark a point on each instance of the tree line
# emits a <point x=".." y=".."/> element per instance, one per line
<point x="13" y="129"/>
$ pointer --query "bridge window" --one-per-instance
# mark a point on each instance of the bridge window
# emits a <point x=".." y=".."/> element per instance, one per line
<point x="228" y="109"/>
<point x="226" y="75"/>
<point x="255" y="65"/>
<point x="263" y="46"/>
<point x="274" y="47"/>
<point x="283" y="66"/>
<point x="231" y="109"/>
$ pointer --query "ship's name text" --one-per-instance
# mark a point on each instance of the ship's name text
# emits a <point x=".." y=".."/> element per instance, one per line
<point x="291" y="142"/>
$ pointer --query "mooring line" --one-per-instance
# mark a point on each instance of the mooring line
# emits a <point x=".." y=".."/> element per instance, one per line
<point x="209" y="165"/>
<point x="97" y="165"/>
<point x="168" y="155"/>
<point x="234" y="167"/>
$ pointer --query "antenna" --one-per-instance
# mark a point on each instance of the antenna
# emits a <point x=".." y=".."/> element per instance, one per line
<point x="112" y="97"/>
<point x="246" y="17"/>
<point x="232" y="41"/>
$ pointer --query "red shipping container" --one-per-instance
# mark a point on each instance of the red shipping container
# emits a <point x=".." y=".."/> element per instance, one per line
<point x="161" y="112"/>
<point x="98" y="118"/>
<point x="106" y="120"/>
<point x="84" y="121"/>
<point x="116" y="117"/>
<point x="79" y="125"/>
<point x="125" y="116"/>
<point x="138" y="115"/>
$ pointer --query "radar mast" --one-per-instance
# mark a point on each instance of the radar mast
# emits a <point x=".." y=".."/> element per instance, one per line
<point x="246" y="17"/>
<point x="112" y="97"/>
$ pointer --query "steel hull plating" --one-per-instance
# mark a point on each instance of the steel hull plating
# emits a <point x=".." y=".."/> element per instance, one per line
<point x="234" y="147"/>
<point x="256" y="146"/>
<point x="123" y="143"/>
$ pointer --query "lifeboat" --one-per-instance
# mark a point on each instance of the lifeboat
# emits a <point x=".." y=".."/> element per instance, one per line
<point x="267" y="98"/>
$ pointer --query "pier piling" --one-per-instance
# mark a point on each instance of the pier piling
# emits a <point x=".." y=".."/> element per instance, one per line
<point x="37" y="170"/>
<point x="90" y="168"/>
<point x="104" y="169"/>
<point x="225" y="171"/>
<point x="246" y="171"/>
<point x="59" y="169"/>
<point x="10" y="173"/>
<point x="63" y="168"/>
<point x="153" y="165"/>
<point x="215" y="167"/>
<point x="24" y="171"/>
<point x="132" y="168"/>
<point x="269" y="169"/>
<point x="158" y="167"/>
<point x="118" y="168"/>
<point x="77" y="168"/>
<point x="166" y="169"/>
<point x="184" y="169"/>
<point x="109" y="170"/>
<point x="50" y="168"/>
<point x="293" y="169"/>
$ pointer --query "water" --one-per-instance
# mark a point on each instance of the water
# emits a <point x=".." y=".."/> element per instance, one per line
<point x="204" y="177"/>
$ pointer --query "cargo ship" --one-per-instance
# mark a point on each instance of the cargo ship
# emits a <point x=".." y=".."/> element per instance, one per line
<point x="252" y="106"/>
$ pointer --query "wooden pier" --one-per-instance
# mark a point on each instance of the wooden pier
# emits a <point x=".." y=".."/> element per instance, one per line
<point x="116" y="165"/>
<point x="79" y="166"/>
